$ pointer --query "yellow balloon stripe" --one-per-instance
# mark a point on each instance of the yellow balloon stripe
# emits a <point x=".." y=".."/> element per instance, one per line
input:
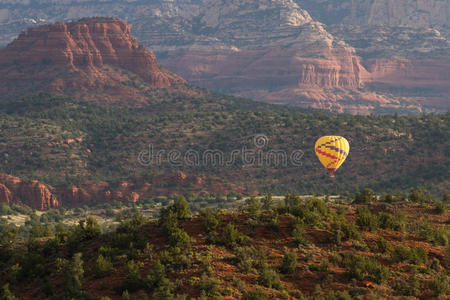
<point x="332" y="151"/>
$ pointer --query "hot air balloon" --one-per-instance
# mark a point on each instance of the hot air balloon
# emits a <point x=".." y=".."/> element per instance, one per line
<point x="332" y="151"/>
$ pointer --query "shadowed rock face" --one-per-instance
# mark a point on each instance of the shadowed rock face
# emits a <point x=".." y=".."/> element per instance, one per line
<point x="81" y="59"/>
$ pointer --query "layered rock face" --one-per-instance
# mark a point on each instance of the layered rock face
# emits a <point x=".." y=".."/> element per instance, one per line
<point x="267" y="50"/>
<point x="90" y="59"/>
<point x="274" y="51"/>
<point x="312" y="53"/>
<point x="408" y="13"/>
<point x="42" y="197"/>
<point x="33" y="194"/>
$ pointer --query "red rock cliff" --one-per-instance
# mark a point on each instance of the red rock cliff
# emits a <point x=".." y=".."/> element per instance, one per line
<point x="91" y="55"/>
<point x="33" y="194"/>
<point x="42" y="197"/>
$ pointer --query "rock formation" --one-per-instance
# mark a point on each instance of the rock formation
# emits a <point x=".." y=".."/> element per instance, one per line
<point x="91" y="59"/>
<point x="407" y="13"/>
<point x="33" y="194"/>
<point x="14" y="190"/>
<point x="311" y="53"/>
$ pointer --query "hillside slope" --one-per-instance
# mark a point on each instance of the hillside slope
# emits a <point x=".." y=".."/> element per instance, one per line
<point x="302" y="249"/>
<point x="64" y="143"/>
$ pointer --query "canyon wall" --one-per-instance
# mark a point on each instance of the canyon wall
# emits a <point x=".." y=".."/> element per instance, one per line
<point x="303" y="52"/>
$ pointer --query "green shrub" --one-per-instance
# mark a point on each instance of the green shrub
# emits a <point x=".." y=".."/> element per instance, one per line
<point x="176" y="258"/>
<point x="446" y="197"/>
<point x="388" y="198"/>
<point x="412" y="255"/>
<point x="164" y="290"/>
<point x="360" y="246"/>
<point x="440" y="207"/>
<point x="39" y="230"/>
<point x="245" y="259"/>
<point x="181" y="208"/>
<point x="179" y="238"/>
<point x="248" y="258"/>
<point x="5" y="209"/>
<point x="107" y="252"/>
<point x="252" y="207"/>
<point x="73" y="275"/>
<point x="366" y="196"/>
<point x="388" y="221"/>
<point x="256" y="294"/>
<point x="267" y="202"/>
<point x="383" y="245"/>
<point x="365" y="219"/>
<point x="440" y="284"/>
<point x="311" y="213"/>
<point x="339" y="295"/>
<point x="273" y="222"/>
<point x="419" y="196"/>
<point x="359" y="267"/>
<point x="133" y="279"/>
<point x="103" y="266"/>
<point x="169" y="216"/>
<point x="298" y="233"/>
<point x="156" y="275"/>
<point x="318" y="206"/>
<point x="210" y="220"/>
<point x="210" y="287"/>
<point x="85" y="230"/>
<point x="401" y="253"/>
<point x="322" y="267"/>
<point x="8" y="236"/>
<point x="439" y="236"/>
<point x="410" y="287"/>
<point x="231" y="237"/>
<point x="446" y="260"/>
<point x="291" y="201"/>
<point x="6" y="293"/>
<point x="91" y="229"/>
<point x="269" y="277"/>
<point x="343" y="230"/>
<point x="131" y="225"/>
<point x="289" y="262"/>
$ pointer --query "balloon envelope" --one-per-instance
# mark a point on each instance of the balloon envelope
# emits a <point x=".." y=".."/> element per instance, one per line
<point x="332" y="151"/>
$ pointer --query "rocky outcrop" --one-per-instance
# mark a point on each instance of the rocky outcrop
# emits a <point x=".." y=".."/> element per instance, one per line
<point x="32" y="194"/>
<point x="407" y="13"/>
<point x="75" y="196"/>
<point x="180" y="177"/>
<point x="42" y="197"/>
<point x="91" y="59"/>
<point x="275" y="51"/>
<point x="5" y="194"/>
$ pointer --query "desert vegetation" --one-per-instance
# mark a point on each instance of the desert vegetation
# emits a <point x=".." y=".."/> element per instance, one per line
<point x="298" y="248"/>
<point x="61" y="142"/>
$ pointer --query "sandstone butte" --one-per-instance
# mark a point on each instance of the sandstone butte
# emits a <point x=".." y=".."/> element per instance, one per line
<point x="34" y="194"/>
<point x="91" y="59"/>
<point x="320" y="76"/>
